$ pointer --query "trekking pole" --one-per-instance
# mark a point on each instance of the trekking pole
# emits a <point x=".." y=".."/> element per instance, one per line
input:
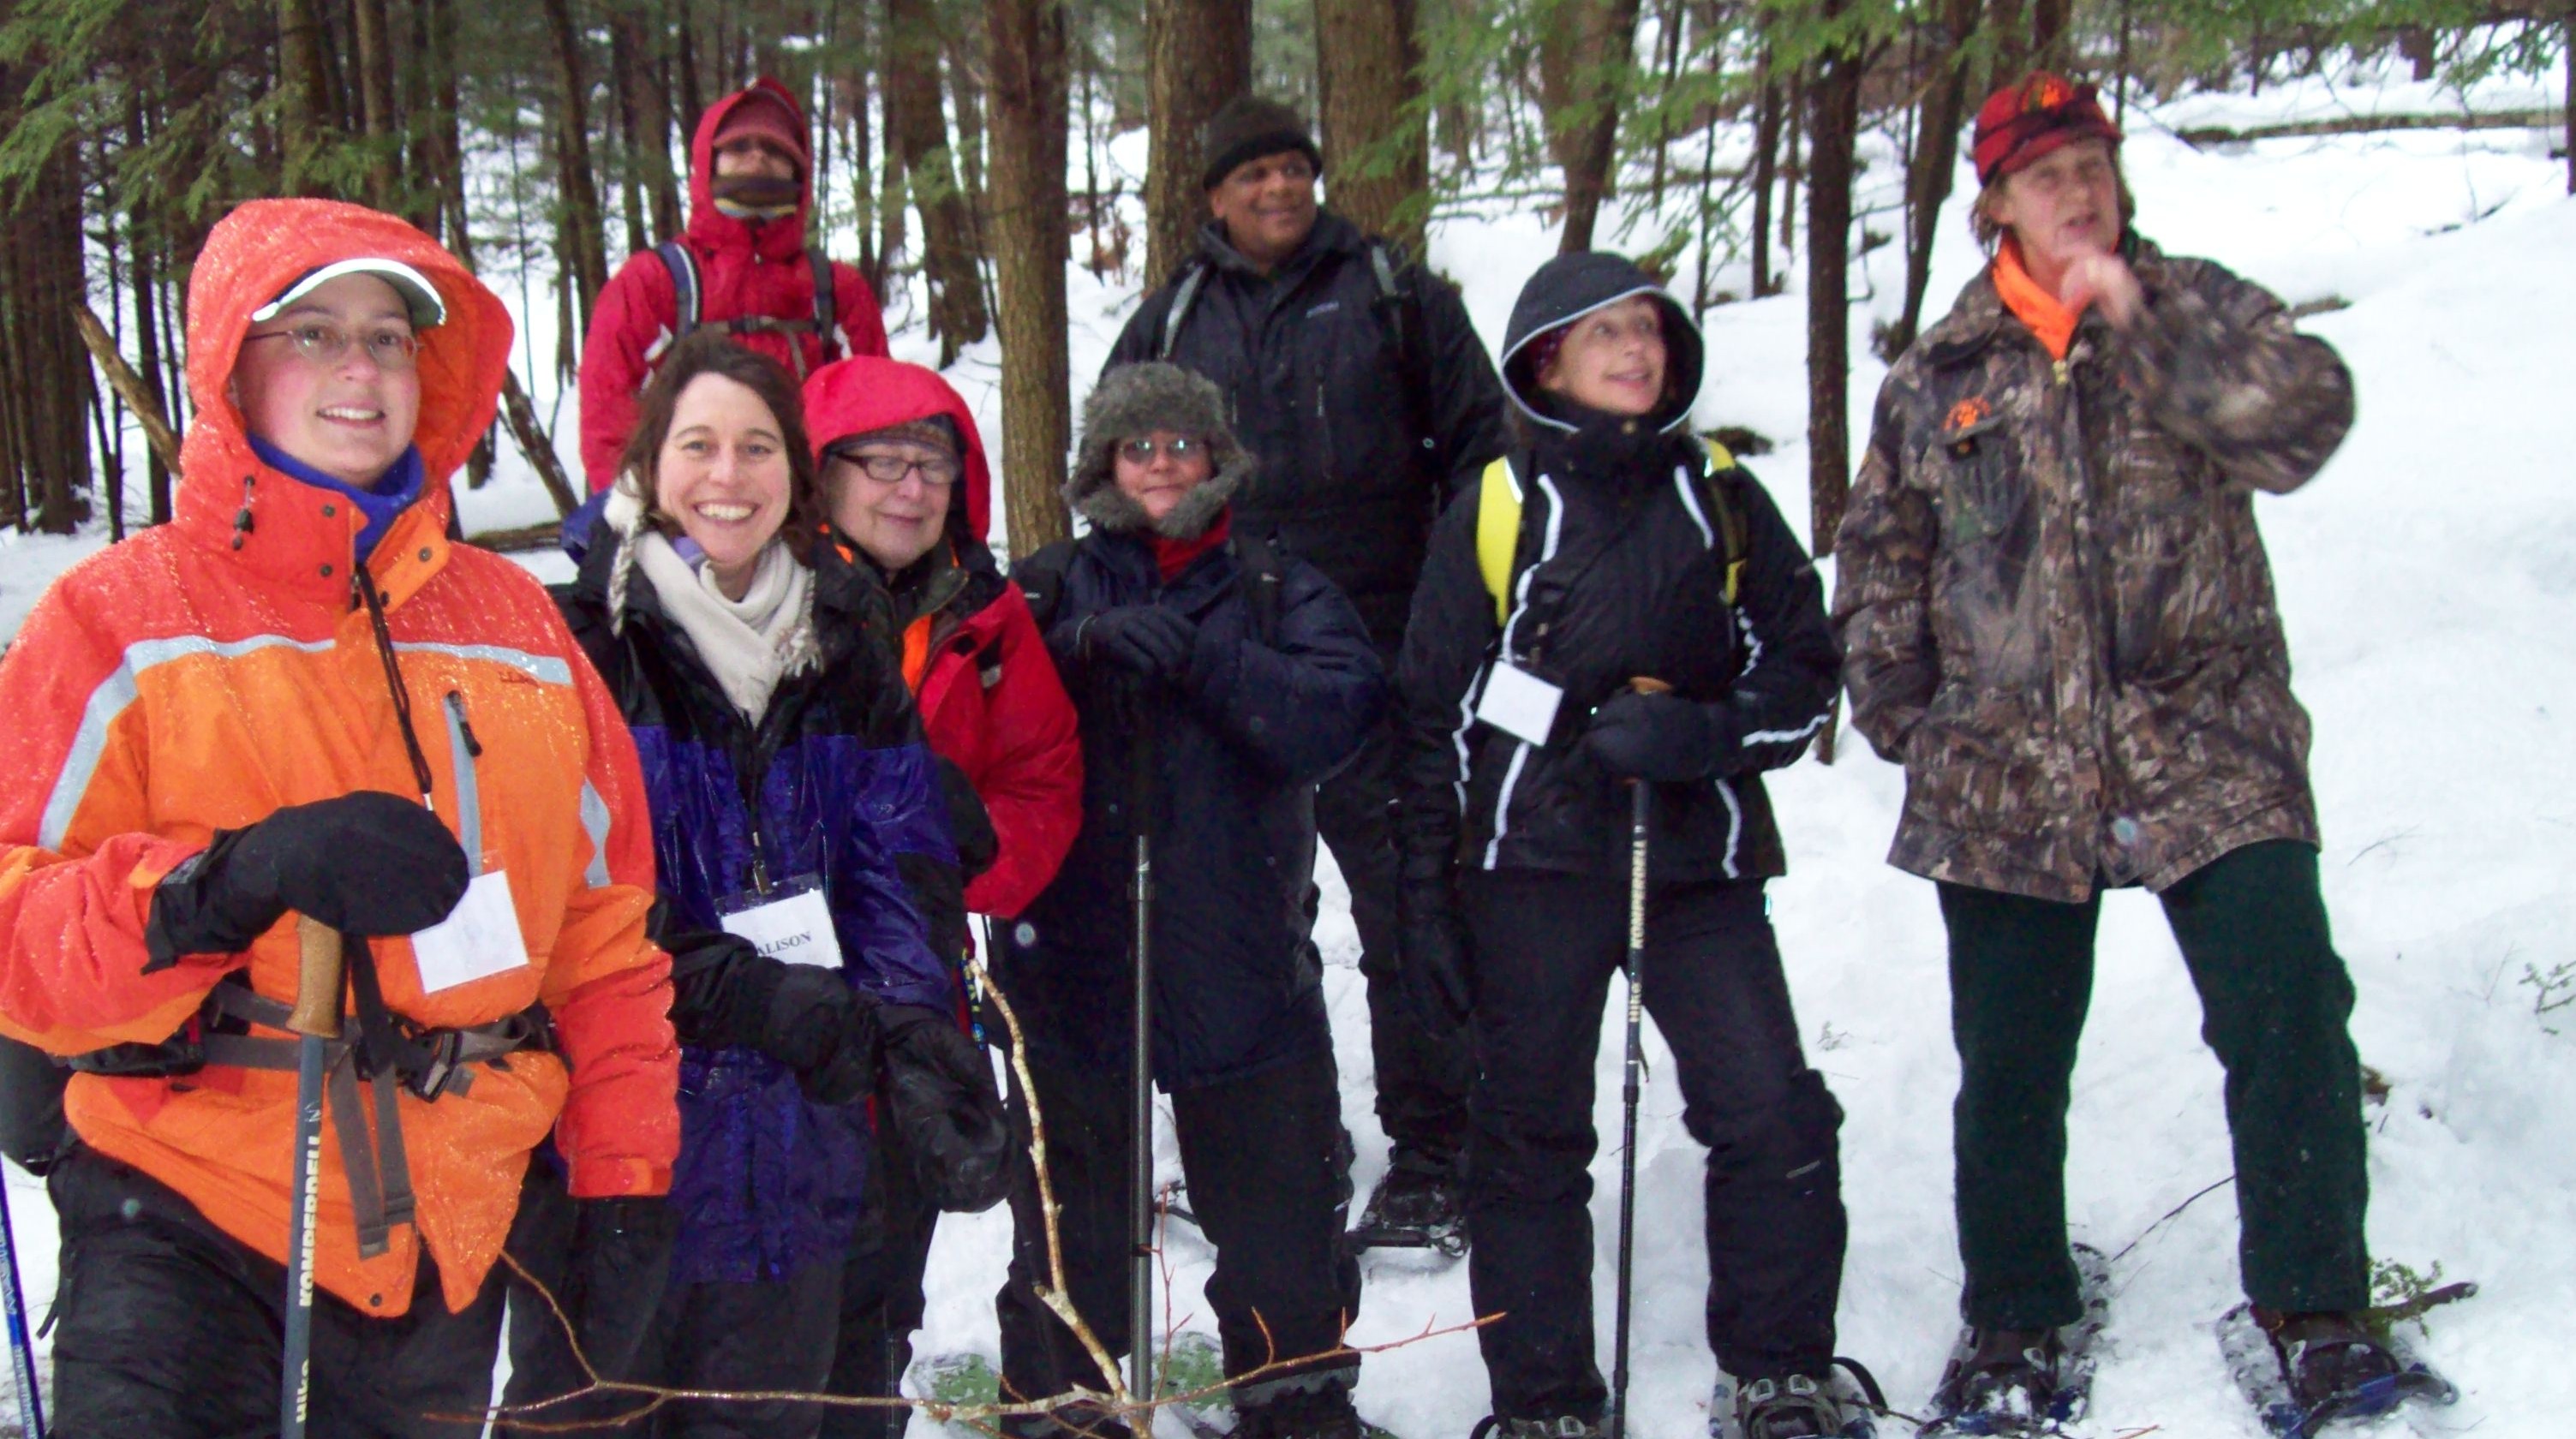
<point x="316" y="1022"/>
<point x="1640" y="804"/>
<point x="22" y="1350"/>
<point x="1140" y="1178"/>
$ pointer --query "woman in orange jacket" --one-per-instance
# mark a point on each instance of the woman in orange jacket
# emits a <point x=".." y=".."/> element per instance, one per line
<point x="300" y="697"/>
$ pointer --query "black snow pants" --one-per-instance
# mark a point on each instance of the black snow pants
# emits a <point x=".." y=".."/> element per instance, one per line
<point x="2274" y="1000"/>
<point x="1421" y="1077"/>
<point x="881" y="1295"/>
<point x="169" y="1328"/>
<point x="1546" y="947"/>
<point x="774" y="1334"/>
<point x="1259" y="1156"/>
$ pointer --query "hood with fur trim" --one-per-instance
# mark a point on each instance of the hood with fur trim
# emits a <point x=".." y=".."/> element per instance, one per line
<point x="1135" y="400"/>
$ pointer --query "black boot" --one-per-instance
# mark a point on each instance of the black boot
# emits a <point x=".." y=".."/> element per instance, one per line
<point x="2011" y="1375"/>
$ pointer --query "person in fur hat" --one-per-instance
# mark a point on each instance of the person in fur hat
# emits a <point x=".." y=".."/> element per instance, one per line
<point x="1216" y="683"/>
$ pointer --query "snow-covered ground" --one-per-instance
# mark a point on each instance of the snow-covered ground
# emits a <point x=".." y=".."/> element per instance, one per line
<point x="2428" y="579"/>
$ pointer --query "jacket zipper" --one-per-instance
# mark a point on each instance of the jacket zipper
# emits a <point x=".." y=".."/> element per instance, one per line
<point x="463" y="750"/>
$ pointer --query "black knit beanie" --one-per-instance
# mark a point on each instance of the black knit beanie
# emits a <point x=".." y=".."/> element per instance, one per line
<point x="1246" y="129"/>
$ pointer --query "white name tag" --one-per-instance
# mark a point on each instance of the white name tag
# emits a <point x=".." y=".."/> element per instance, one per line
<point x="480" y="938"/>
<point x="1519" y="703"/>
<point x="795" y="927"/>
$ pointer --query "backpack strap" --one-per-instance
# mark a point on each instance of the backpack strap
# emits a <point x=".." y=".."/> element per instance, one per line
<point x="1498" y="523"/>
<point x="1261" y="566"/>
<point x="1192" y="279"/>
<point x="1714" y="486"/>
<point x="684" y="280"/>
<point x="826" y="304"/>
<point x="1498" y="532"/>
<point x="1401" y="307"/>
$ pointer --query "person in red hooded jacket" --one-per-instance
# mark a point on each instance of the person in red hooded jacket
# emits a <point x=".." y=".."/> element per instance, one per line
<point x="750" y="186"/>
<point x="905" y="476"/>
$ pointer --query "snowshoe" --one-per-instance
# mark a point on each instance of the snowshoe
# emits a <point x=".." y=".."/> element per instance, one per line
<point x="1414" y="1209"/>
<point x="1564" y="1426"/>
<point x="2304" y="1372"/>
<point x="1191" y="1384"/>
<point x="2027" y="1382"/>
<point x="1842" y="1403"/>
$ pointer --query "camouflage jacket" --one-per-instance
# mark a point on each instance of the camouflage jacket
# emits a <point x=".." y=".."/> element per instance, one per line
<point x="2055" y="608"/>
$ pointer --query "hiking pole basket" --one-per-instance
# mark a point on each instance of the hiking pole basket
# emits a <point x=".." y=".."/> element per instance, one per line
<point x="316" y="1023"/>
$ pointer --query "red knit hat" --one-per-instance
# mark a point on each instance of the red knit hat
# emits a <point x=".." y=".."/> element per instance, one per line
<point x="761" y="114"/>
<point x="2033" y="116"/>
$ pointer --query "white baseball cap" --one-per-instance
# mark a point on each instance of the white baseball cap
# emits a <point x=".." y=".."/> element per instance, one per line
<point x="417" y="292"/>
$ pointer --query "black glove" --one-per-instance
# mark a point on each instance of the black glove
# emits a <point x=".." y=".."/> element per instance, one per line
<point x="970" y="825"/>
<point x="938" y="1093"/>
<point x="621" y="1256"/>
<point x="364" y="863"/>
<point x="1148" y="640"/>
<point x="1659" y="737"/>
<point x="820" y="1028"/>
<point x="1439" y="974"/>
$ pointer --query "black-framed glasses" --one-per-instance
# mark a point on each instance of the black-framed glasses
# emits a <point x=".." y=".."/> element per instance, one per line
<point x="1182" y="448"/>
<point x="324" y="344"/>
<point x="938" y="472"/>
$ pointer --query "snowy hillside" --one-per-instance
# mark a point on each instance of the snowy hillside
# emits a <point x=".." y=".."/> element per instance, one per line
<point x="2428" y="580"/>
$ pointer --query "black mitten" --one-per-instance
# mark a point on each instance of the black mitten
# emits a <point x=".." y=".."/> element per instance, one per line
<point x="970" y="825"/>
<point x="938" y="1092"/>
<point x="365" y="863"/>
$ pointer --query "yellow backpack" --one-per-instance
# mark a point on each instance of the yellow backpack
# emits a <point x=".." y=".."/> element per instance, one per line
<point x="1498" y="525"/>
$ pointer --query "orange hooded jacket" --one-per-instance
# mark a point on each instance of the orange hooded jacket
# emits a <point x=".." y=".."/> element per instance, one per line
<point x="203" y="674"/>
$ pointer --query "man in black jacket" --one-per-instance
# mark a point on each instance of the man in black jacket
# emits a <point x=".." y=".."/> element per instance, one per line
<point x="1356" y="379"/>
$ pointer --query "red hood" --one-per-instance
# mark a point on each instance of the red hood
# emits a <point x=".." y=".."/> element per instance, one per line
<point x="713" y="228"/>
<point x="258" y="250"/>
<point x="855" y="396"/>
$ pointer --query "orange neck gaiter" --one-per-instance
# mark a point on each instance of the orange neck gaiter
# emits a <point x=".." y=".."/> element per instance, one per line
<point x="2047" y="317"/>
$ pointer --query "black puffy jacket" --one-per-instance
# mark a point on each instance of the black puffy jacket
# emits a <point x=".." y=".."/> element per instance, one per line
<point x="1236" y="750"/>
<point x="1625" y="577"/>
<point x="1356" y="457"/>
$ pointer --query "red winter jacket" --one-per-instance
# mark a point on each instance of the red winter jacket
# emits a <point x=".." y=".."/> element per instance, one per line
<point x="989" y="696"/>
<point x="745" y="267"/>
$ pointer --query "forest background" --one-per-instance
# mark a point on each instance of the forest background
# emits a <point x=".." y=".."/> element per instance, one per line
<point x="961" y="149"/>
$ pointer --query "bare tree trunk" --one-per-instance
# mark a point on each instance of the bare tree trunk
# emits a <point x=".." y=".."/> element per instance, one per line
<point x="585" y="267"/>
<point x="2051" y="45"/>
<point x="1367" y="62"/>
<point x="2011" y="44"/>
<point x="623" y="83"/>
<point x="917" y="135"/>
<point x="1584" y="60"/>
<point x="303" y="116"/>
<point x="1198" y="55"/>
<point x="1793" y="171"/>
<point x="377" y="119"/>
<point x="1936" y="162"/>
<point x="1030" y="232"/>
<point x="2567" y="47"/>
<point x="1766" y="169"/>
<point x="693" y="95"/>
<point x="1834" y="92"/>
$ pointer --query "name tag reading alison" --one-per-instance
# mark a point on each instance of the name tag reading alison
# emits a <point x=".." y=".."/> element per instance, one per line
<point x="791" y="923"/>
<point x="1519" y="703"/>
<point x="478" y="939"/>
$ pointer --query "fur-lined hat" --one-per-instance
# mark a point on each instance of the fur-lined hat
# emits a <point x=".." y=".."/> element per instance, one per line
<point x="1137" y="400"/>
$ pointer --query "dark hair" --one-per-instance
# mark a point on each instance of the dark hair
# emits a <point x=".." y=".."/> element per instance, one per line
<point x="712" y="352"/>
